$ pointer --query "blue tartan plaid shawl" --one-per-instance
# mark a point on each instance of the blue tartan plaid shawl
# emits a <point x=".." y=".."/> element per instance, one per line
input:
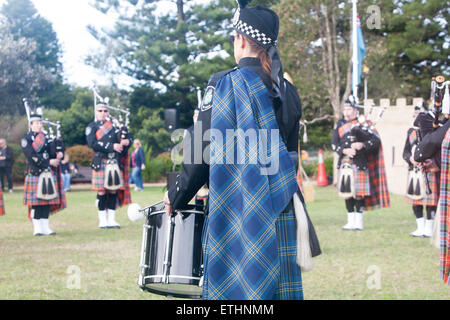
<point x="246" y="193"/>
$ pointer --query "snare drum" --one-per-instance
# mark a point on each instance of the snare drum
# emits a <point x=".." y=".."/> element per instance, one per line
<point x="171" y="257"/>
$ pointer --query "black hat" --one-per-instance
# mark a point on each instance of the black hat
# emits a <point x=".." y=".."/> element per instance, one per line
<point x="261" y="25"/>
<point x="101" y="104"/>
<point x="350" y="102"/>
<point x="258" y="23"/>
<point x="421" y="107"/>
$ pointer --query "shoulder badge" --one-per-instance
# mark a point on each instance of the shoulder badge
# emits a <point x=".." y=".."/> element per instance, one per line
<point x="88" y="130"/>
<point x="23" y="142"/>
<point x="207" y="98"/>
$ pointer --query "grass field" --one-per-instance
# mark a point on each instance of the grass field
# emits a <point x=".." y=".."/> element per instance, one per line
<point x="84" y="262"/>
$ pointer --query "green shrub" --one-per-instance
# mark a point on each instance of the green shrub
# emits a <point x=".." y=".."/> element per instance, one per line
<point x="19" y="166"/>
<point x="81" y="155"/>
<point x="157" y="168"/>
<point x="310" y="167"/>
<point x="328" y="166"/>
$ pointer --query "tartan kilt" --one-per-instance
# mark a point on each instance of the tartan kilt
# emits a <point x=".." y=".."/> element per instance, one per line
<point x="98" y="177"/>
<point x="98" y="180"/>
<point x="62" y="202"/>
<point x="124" y="195"/>
<point x="431" y="199"/>
<point x="362" y="181"/>
<point x="290" y="280"/>
<point x="30" y="192"/>
<point x="2" y="206"/>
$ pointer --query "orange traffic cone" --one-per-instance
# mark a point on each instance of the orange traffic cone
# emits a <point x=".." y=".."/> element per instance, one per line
<point x="321" y="174"/>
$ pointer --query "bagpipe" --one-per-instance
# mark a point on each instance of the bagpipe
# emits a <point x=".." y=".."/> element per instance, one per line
<point x="51" y="129"/>
<point x="364" y="127"/>
<point x="117" y="121"/>
<point x="429" y="122"/>
<point x="439" y="107"/>
<point x="440" y="100"/>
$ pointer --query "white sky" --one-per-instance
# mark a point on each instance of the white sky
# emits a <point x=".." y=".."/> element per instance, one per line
<point x="70" y="19"/>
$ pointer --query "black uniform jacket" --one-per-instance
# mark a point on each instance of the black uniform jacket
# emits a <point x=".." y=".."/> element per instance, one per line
<point x="356" y="134"/>
<point x="9" y="155"/>
<point x="38" y="161"/>
<point x="407" y="150"/>
<point x="104" y="147"/>
<point x="335" y="137"/>
<point x="430" y="146"/>
<point x="194" y="174"/>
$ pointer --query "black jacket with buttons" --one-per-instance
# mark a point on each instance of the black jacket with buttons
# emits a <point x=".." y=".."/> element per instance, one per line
<point x="36" y="161"/>
<point x="430" y="146"/>
<point x="409" y="143"/>
<point x="104" y="147"/>
<point x="357" y="134"/>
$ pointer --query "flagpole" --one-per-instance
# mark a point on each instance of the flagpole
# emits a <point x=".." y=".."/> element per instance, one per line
<point x="355" y="53"/>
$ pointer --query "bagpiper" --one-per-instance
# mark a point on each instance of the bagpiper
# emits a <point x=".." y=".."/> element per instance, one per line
<point x="362" y="178"/>
<point x="435" y="147"/>
<point x="110" y="172"/>
<point x="44" y="190"/>
<point x="422" y="187"/>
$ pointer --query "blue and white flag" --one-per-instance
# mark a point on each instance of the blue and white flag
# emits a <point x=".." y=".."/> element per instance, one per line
<point x="360" y="52"/>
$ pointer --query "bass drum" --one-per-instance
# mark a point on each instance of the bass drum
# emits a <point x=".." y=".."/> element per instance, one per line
<point x="171" y="257"/>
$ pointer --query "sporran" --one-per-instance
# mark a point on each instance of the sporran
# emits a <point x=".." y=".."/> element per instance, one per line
<point x="415" y="188"/>
<point x="113" y="178"/>
<point x="46" y="186"/>
<point x="346" y="183"/>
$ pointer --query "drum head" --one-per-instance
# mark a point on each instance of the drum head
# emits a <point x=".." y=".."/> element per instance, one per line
<point x="174" y="290"/>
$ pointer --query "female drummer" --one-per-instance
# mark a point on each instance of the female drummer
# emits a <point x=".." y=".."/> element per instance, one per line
<point x="250" y="235"/>
<point x="41" y="158"/>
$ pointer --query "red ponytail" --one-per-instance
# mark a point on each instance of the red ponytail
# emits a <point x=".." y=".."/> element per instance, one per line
<point x="262" y="54"/>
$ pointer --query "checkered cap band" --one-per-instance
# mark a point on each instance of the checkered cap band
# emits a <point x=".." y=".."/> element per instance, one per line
<point x="254" y="33"/>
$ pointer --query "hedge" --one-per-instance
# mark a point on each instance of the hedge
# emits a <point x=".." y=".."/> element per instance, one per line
<point x="81" y="155"/>
<point x="156" y="168"/>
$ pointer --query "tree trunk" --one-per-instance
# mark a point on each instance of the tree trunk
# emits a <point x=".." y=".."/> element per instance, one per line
<point x="330" y="57"/>
<point x="180" y="10"/>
